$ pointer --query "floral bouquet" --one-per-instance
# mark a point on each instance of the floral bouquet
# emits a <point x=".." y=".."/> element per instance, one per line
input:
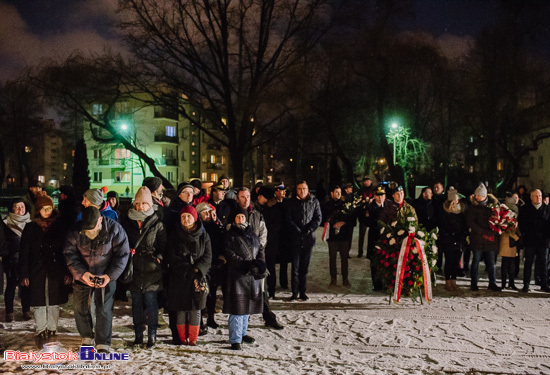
<point x="348" y="211"/>
<point x="503" y="220"/>
<point x="406" y="255"/>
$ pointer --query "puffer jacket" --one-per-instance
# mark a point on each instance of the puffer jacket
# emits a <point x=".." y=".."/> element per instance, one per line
<point x="242" y="293"/>
<point x="482" y="237"/>
<point x="106" y="254"/>
<point x="303" y="217"/>
<point x="147" y="259"/>
<point x="185" y="252"/>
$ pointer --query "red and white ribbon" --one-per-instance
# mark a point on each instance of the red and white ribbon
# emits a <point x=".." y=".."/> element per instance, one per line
<point x="406" y="245"/>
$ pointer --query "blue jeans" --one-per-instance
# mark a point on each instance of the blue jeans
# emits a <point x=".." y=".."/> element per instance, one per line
<point x="238" y="325"/>
<point x="300" y="266"/>
<point x="489" y="259"/>
<point x="103" y="301"/>
<point x="540" y="255"/>
<point x="149" y="299"/>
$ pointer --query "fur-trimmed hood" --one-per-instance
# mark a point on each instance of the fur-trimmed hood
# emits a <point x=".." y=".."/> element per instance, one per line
<point x="490" y="197"/>
<point x="453" y="209"/>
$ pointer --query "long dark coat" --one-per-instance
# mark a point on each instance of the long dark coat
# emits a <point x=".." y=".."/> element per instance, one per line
<point x="185" y="252"/>
<point x="146" y="260"/>
<point x="452" y="228"/>
<point x="242" y="293"/>
<point x="41" y="257"/>
<point x="482" y="237"/>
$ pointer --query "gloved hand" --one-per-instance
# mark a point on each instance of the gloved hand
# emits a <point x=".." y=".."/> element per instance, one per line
<point x="245" y="266"/>
<point x="259" y="266"/>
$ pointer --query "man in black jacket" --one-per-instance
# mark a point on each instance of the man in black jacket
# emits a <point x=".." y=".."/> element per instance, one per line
<point x="341" y="224"/>
<point x="96" y="253"/>
<point x="373" y="213"/>
<point x="534" y="222"/>
<point x="303" y="215"/>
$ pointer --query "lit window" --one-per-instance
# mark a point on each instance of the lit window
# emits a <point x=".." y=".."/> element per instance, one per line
<point x="204" y="176"/>
<point x="28" y="149"/>
<point x="476" y="152"/>
<point x="97" y="109"/>
<point x="214" y="177"/>
<point x="41" y="179"/>
<point x="213" y="159"/>
<point x="499" y="165"/>
<point x="98" y="176"/>
<point x="223" y="160"/>
<point x="122" y="176"/>
<point x="64" y="166"/>
<point x="170" y="131"/>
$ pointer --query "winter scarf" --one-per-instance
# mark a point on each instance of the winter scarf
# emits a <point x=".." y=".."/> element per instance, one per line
<point x="17" y="222"/>
<point x="134" y="214"/>
<point x="44" y="224"/>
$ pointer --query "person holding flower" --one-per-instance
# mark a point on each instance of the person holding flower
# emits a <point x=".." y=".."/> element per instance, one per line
<point x="484" y="241"/>
<point x="341" y="224"/>
<point x="508" y="243"/>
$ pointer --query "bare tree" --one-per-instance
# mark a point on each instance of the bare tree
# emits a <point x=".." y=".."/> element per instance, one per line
<point x="79" y="83"/>
<point x="227" y="59"/>
<point x="22" y="105"/>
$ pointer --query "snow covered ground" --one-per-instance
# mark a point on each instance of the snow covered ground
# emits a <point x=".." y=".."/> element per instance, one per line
<point x="341" y="331"/>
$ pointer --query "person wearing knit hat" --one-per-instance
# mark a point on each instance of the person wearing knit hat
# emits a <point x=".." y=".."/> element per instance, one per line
<point x="157" y="192"/>
<point x="452" y="236"/>
<point x="185" y="193"/>
<point x="481" y="191"/>
<point x="452" y="194"/>
<point x="41" y="264"/>
<point x="191" y="211"/>
<point x="484" y="242"/>
<point x="189" y="255"/>
<point x="204" y="206"/>
<point x="95" y="276"/>
<point x="153" y="183"/>
<point x="94" y="197"/>
<point x="147" y="239"/>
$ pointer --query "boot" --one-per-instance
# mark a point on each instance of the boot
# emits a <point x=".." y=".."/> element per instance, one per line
<point x="139" y="337"/>
<point x="448" y="285"/>
<point x="183" y="333"/>
<point x="210" y="322"/>
<point x="151" y="338"/>
<point x="193" y="332"/>
<point x="332" y="282"/>
<point x="454" y="286"/>
<point x="512" y="285"/>
<point x="41" y="339"/>
<point x="346" y="282"/>
<point x="9" y="317"/>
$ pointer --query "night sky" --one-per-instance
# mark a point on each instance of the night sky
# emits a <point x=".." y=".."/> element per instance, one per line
<point x="33" y="29"/>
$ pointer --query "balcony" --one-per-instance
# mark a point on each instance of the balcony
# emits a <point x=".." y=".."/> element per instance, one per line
<point x="165" y="138"/>
<point x="166" y="113"/>
<point x="216" y="166"/>
<point x="213" y="146"/>
<point x="114" y="163"/>
<point x="166" y="162"/>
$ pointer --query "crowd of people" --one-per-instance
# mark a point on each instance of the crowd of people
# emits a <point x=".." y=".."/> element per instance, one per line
<point x="174" y="254"/>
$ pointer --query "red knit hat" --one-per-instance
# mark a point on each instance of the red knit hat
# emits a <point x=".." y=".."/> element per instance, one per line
<point x="189" y="210"/>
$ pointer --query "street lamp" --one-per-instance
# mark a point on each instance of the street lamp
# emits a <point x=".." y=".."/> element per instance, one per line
<point x="394" y="134"/>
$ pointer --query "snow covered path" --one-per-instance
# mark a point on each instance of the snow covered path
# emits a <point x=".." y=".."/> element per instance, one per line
<point x="344" y="331"/>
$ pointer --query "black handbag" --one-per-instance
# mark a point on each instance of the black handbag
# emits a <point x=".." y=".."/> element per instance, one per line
<point x="128" y="273"/>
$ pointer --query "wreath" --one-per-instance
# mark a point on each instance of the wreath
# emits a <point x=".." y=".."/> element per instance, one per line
<point x="406" y="247"/>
